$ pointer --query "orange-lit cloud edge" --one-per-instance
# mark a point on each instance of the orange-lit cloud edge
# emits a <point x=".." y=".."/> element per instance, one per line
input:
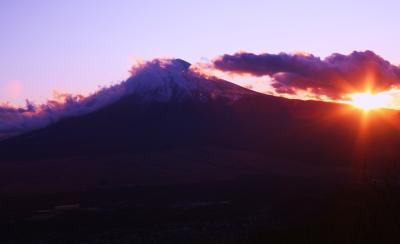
<point x="363" y="99"/>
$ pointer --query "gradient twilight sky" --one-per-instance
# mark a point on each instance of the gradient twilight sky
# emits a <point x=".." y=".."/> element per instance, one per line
<point x="77" y="45"/>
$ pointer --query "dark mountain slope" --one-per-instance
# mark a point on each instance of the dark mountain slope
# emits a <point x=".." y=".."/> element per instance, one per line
<point x="299" y="130"/>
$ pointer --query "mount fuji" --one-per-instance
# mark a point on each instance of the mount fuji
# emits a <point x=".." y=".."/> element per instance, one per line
<point x="171" y="147"/>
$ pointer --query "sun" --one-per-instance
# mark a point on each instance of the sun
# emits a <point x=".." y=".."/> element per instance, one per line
<point x="368" y="101"/>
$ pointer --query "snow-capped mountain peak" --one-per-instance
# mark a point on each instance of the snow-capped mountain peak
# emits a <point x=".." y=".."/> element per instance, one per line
<point x="163" y="80"/>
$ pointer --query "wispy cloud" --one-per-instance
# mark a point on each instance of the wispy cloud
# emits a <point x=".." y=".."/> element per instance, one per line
<point x="16" y="120"/>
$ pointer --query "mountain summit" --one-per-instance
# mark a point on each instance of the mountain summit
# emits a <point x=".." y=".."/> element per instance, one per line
<point x="163" y="80"/>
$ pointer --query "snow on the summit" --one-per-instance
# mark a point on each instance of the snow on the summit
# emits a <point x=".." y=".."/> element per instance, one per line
<point x="162" y="80"/>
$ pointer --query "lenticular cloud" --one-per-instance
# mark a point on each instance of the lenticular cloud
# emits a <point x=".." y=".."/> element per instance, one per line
<point x="334" y="77"/>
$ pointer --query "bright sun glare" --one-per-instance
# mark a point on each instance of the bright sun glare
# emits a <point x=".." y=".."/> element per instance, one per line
<point x="368" y="101"/>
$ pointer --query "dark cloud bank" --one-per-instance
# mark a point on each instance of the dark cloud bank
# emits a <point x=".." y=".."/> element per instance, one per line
<point x="335" y="76"/>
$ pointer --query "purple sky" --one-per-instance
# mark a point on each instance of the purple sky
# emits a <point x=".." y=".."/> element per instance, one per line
<point x="77" y="45"/>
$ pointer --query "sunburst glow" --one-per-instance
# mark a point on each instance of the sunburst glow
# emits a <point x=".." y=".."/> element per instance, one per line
<point x="368" y="101"/>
